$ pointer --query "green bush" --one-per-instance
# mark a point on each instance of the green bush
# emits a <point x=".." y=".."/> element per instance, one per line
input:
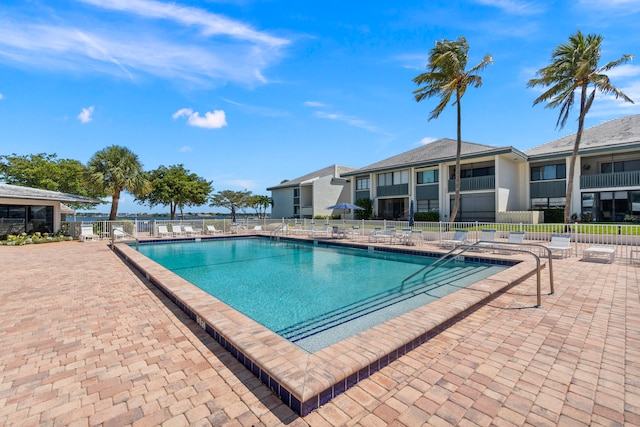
<point x="367" y="206"/>
<point x="553" y="215"/>
<point x="427" y="216"/>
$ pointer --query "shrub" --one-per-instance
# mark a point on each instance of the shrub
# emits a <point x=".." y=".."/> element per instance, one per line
<point x="427" y="216"/>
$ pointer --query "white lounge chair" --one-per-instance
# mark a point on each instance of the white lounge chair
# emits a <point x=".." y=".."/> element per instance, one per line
<point x="415" y="239"/>
<point x="324" y="231"/>
<point x="163" y="232"/>
<point x="189" y="231"/>
<point x="338" y="232"/>
<point x="256" y="228"/>
<point x="119" y="234"/>
<point x="487" y="238"/>
<point x="176" y="230"/>
<point x="560" y="243"/>
<point x="459" y="238"/>
<point x="597" y="251"/>
<point x="211" y="229"/>
<point x="87" y="234"/>
<point x="515" y="238"/>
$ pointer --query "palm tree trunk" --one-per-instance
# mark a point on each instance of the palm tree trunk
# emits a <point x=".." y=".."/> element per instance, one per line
<point x="574" y="155"/>
<point x="456" y="200"/>
<point x="115" y="199"/>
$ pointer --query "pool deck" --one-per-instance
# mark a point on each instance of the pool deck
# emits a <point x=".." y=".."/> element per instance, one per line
<point x="87" y="341"/>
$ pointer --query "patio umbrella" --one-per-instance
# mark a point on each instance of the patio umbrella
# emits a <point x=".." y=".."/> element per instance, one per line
<point x="345" y="206"/>
<point x="411" y="220"/>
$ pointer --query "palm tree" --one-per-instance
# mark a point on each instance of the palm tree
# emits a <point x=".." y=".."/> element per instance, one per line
<point x="114" y="169"/>
<point x="574" y="68"/>
<point x="445" y="77"/>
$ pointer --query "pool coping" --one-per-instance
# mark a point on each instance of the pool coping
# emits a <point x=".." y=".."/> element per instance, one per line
<point x="305" y="381"/>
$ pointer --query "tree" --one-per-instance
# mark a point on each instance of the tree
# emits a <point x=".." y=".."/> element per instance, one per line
<point x="574" y="68"/>
<point x="115" y="169"/>
<point x="446" y="77"/>
<point x="260" y="204"/>
<point x="367" y="208"/>
<point x="47" y="172"/>
<point x="176" y="187"/>
<point x="232" y="200"/>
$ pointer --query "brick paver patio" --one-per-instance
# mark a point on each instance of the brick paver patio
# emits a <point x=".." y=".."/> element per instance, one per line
<point x="85" y="341"/>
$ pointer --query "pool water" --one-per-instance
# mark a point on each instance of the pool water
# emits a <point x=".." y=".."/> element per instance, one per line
<point x="312" y="295"/>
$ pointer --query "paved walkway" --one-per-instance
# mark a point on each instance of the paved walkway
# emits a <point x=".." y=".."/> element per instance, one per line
<point x="85" y="341"/>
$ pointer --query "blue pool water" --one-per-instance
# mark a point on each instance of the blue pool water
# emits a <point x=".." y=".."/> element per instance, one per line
<point x="312" y="295"/>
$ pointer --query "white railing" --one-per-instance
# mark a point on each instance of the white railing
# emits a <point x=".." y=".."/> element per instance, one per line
<point x="625" y="238"/>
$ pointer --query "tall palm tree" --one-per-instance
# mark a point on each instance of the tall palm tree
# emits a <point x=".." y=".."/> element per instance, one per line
<point x="574" y="68"/>
<point x="447" y="76"/>
<point x="114" y="169"/>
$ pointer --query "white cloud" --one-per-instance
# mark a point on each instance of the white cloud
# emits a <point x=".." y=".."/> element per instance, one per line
<point x="1" y="96"/>
<point x="185" y="149"/>
<point x="426" y="140"/>
<point x="210" y="23"/>
<point x="182" y="112"/>
<point x="313" y="104"/>
<point x="221" y="50"/>
<point x="350" y="120"/>
<point x="514" y="7"/>
<point x="212" y="119"/>
<point x="246" y="184"/>
<point x="85" y="115"/>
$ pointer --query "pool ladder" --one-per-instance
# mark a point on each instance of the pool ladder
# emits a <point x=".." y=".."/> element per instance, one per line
<point x="449" y="256"/>
<point x="274" y="234"/>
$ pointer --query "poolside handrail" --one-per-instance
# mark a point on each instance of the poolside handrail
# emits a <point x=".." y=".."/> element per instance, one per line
<point x="447" y="258"/>
<point x="113" y="238"/>
<point x="273" y="234"/>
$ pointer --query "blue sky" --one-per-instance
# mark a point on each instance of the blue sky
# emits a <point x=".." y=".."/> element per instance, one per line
<point x="247" y="93"/>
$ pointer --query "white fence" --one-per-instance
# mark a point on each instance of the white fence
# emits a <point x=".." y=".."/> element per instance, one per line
<point x="625" y="238"/>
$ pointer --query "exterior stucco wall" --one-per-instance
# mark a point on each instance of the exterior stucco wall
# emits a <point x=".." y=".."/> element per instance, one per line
<point x="282" y="203"/>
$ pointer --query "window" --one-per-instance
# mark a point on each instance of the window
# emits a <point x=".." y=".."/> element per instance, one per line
<point x="548" y="202"/>
<point x="427" y="177"/>
<point x="473" y="172"/>
<point x="625" y="166"/>
<point x="363" y="183"/>
<point x="393" y="178"/>
<point x="548" y="172"/>
<point x="428" y="205"/>
<point x="296" y="196"/>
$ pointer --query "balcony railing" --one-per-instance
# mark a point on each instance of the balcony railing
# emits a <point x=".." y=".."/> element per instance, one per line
<point x="610" y="180"/>
<point x="474" y="184"/>
<point x="393" y="190"/>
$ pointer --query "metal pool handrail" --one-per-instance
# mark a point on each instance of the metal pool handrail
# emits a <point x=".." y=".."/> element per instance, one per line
<point x="113" y="238"/>
<point x="447" y="258"/>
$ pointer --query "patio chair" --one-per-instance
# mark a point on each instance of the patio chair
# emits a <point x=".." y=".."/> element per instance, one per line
<point x="163" y="232"/>
<point x="211" y="229"/>
<point x="189" y="231"/>
<point x="176" y="230"/>
<point x="256" y="228"/>
<point x="598" y="251"/>
<point x="560" y="243"/>
<point x="87" y="234"/>
<point x="487" y="238"/>
<point x="459" y="238"/>
<point x="337" y="232"/>
<point x="515" y="237"/>
<point x="376" y="235"/>
<point x="415" y="238"/>
<point x="324" y="231"/>
<point x="119" y="234"/>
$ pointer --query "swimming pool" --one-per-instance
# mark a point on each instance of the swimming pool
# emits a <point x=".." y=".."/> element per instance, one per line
<point x="302" y="380"/>
<point x="312" y="295"/>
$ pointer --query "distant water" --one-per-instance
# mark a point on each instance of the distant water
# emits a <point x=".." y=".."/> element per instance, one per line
<point x="95" y="218"/>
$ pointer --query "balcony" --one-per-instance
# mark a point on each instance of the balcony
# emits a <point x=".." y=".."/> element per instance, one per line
<point x="393" y="190"/>
<point x="610" y="180"/>
<point x="474" y="184"/>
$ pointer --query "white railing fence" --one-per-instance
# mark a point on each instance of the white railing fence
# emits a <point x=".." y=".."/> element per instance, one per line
<point x="625" y="238"/>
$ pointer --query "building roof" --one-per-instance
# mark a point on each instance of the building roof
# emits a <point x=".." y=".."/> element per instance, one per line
<point x="18" y="192"/>
<point x="335" y="171"/>
<point x="442" y="150"/>
<point x="616" y="133"/>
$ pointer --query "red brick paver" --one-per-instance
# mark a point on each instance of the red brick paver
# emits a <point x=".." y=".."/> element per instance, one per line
<point x="85" y="341"/>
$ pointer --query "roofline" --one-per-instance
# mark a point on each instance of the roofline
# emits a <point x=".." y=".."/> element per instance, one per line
<point x="435" y="162"/>
<point x="599" y="150"/>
